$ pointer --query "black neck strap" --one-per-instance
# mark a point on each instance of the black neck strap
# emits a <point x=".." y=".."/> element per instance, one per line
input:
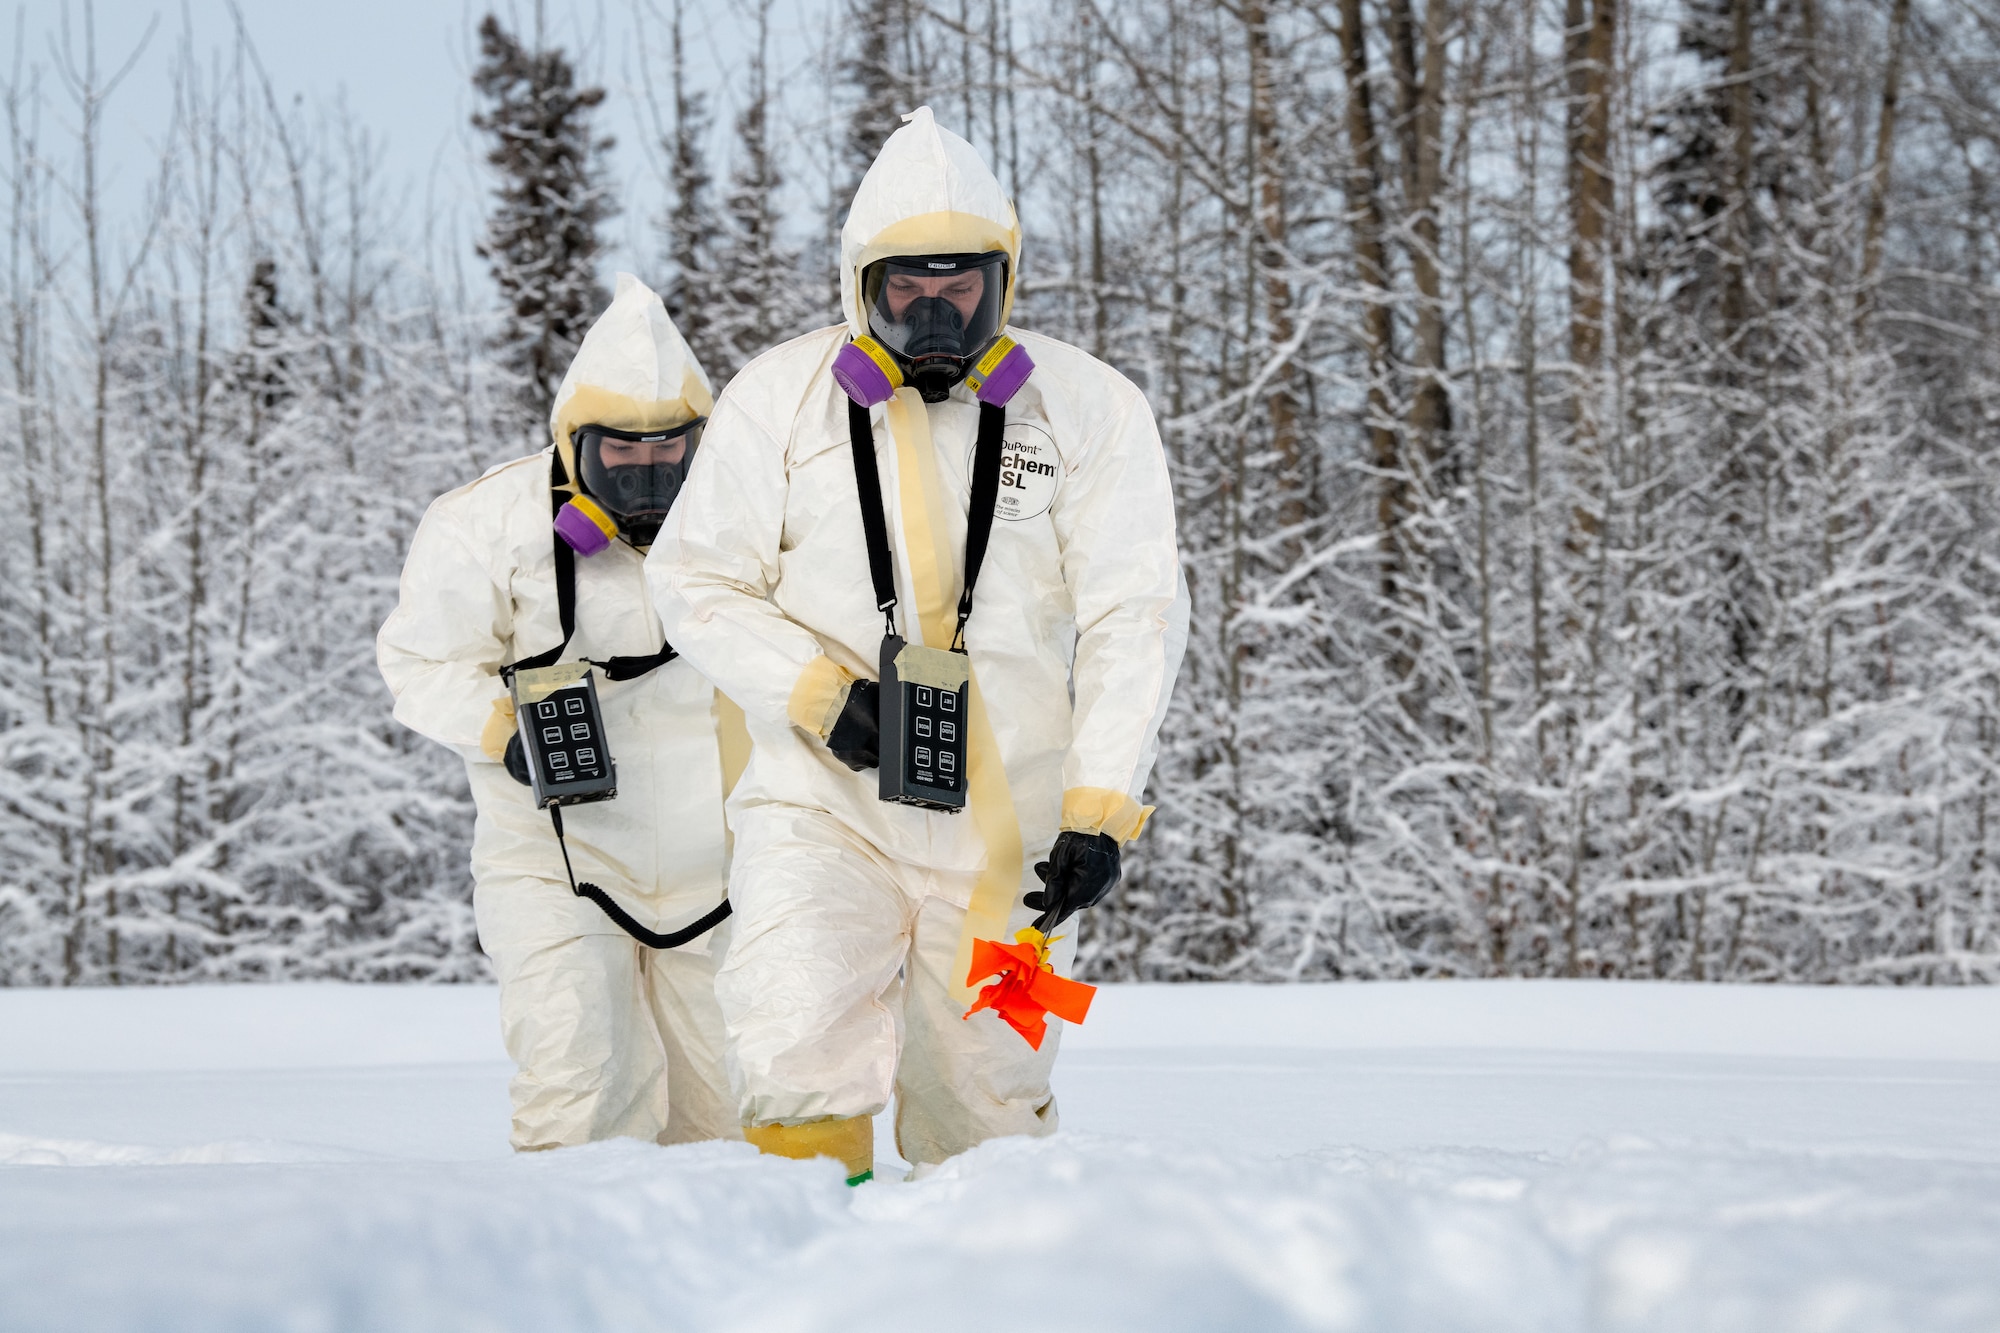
<point x="978" y="519"/>
<point x="874" y="526"/>
<point x="616" y="668"/>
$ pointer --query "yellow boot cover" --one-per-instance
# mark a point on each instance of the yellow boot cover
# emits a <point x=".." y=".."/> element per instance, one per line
<point x="849" y="1140"/>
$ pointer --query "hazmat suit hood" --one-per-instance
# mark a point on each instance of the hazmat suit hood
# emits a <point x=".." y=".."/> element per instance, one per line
<point x="633" y="372"/>
<point x="928" y="193"/>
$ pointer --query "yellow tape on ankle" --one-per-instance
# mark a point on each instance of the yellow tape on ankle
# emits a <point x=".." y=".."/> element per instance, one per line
<point x="849" y="1140"/>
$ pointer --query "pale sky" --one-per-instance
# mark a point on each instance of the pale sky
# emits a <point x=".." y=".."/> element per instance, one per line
<point x="403" y="68"/>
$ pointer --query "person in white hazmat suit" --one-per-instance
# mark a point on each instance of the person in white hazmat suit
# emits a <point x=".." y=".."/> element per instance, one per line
<point x="611" y="1038"/>
<point x="846" y="977"/>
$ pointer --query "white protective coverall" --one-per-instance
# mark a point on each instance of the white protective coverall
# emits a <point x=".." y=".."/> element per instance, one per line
<point x="612" y="1039"/>
<point x="846" y="974"/>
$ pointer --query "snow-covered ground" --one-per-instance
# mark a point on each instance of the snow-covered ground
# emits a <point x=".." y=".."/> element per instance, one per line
<point x="1425" y="1157"/>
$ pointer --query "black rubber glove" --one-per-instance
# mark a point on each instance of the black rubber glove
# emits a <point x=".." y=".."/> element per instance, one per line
<point x="856" y="738"/>
<point x="1081" y="869"/>
<point x="516" y="759"/>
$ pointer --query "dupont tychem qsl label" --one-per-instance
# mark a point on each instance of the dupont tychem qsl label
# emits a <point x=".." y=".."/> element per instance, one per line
<point x="1030" y="471"/>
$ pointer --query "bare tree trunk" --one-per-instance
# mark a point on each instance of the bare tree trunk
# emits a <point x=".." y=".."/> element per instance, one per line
<point x="1482" y="837"/>
<point x="1589" y="46"/>
<point x="27" y="281"/>
<point x="98" y="854"/>
<point x="1267" y="170"/>
<point x="1885" y="146"/>
<point x="1743" y="143"/>
<point x="1814" y="75"/>
<point x="965" y="81"/>
<point x="1233" y="644"/>
<point x="1094" y="172"/>
<point x="1420" y="113"/>
<point x="1531" y="897"/>
<point x="1589" y="42"/>
<point x="687" y="216"/>
<point x="204" y="154"/>
<point x="1363" y="186"/>
<point x="994" y="79"/>
<point x="1744" y="464"/>
<point x="101" y="858"/>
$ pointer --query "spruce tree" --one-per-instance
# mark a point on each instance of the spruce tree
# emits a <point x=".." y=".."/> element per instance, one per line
<point x="758" y="293"/>
<point x="542" y="239"/>
<point x="690" y="225"/>
<point x="880" y="87"/>
<point x="261" y="367"/>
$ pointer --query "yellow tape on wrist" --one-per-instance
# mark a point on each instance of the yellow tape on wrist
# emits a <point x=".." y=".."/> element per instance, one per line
<point x="499" y="729"/>
<point x="818" y="695"/>
<point x="1102" y="810"/>
<point x="932" y="569"/>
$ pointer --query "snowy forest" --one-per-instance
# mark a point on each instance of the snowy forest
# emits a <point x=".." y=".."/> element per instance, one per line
<point x="1585" y="417"/>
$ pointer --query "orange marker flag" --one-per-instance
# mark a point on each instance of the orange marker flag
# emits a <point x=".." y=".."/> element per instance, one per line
<point x="1028" y="989"/>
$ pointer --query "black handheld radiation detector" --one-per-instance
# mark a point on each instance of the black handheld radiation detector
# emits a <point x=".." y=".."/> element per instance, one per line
<point x="925" y="704"/>
<point x="562" y="730"/>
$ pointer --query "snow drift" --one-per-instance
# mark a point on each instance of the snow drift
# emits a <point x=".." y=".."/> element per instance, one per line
<point x="1286" y="1158"/>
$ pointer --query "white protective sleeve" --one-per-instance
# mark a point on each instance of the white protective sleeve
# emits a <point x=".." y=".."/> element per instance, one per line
<point x="715" y="560"/>
<point x="1121" y="562"/>
<point x="442" y="648"/>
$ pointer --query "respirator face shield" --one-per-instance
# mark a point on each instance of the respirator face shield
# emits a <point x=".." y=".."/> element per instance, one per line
<point x="636" y="475"/>
<point x="935" y="313"/>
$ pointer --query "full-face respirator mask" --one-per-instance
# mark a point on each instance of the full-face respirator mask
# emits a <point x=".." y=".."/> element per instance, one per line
<point x="629" y="480"/>
<point x="933" y="321"/>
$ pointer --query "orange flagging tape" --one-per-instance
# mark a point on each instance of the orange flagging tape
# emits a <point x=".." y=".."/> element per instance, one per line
<point x="1028" y="989"/>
